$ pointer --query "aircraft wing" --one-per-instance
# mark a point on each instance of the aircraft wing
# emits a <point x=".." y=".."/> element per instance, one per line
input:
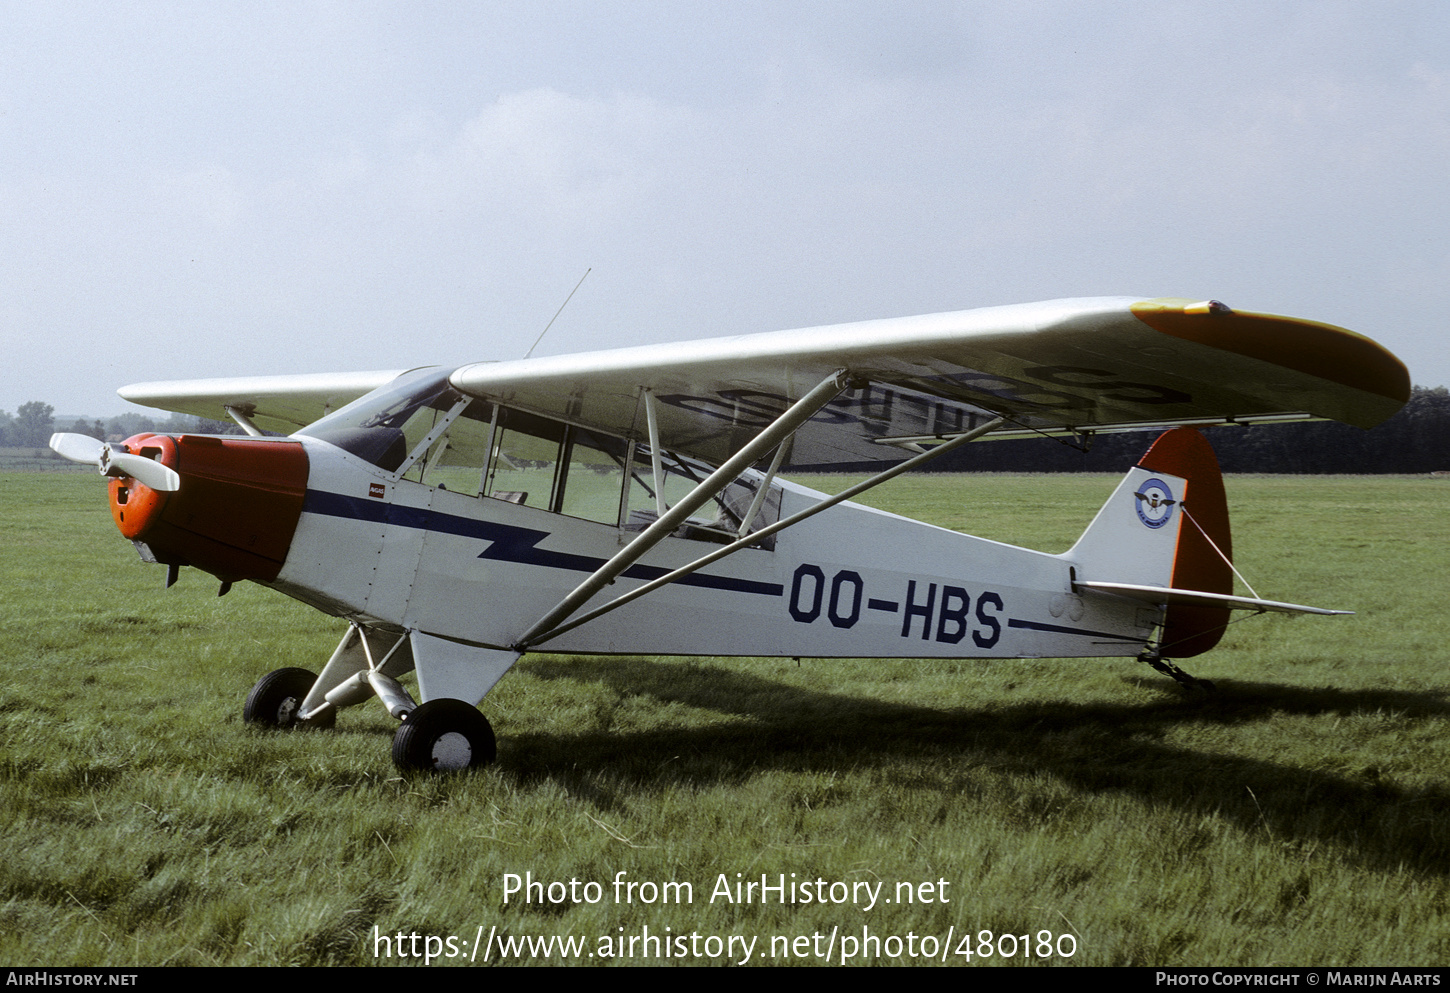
<point x="1060" y="367"/>
<point x="1063" y="367"/>
<point x="276" y="403"/>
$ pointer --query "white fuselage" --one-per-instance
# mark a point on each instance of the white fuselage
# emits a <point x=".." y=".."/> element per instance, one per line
<point x="849" y="582"/>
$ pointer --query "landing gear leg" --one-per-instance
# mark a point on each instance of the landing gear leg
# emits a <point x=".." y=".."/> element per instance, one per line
<point x="1189" y="683"/>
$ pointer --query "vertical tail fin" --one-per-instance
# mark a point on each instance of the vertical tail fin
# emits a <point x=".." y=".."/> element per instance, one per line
<point x="1197" y="565"/>
<point x="1160" y="528"/>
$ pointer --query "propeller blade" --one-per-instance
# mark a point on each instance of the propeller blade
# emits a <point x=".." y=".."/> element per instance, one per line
<point x="111" y="462"/>
<point x="78" y="448"/>
<point x="147" y="472"/>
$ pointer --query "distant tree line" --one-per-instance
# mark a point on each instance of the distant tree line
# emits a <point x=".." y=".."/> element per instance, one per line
<point x="1417" y="439"/>
<point x="33" y="423"/>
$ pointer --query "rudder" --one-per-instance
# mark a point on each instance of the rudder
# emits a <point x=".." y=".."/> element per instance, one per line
<point x="1159" y="529"/>
<point x="1184" y="452"/>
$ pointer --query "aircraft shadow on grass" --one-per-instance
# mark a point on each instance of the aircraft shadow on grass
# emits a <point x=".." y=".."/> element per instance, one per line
<point x="1095" y="748"/>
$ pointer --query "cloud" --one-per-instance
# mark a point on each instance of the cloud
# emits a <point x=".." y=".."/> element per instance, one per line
<point x="389" y="188"/>
<point x="545" y="156"/>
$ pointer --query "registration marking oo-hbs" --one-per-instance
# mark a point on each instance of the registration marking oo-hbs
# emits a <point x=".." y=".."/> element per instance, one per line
<point x="842" y="600"/>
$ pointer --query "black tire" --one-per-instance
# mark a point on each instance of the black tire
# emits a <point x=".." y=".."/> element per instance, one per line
<point x="444" y="736"/>
<point x="277" y="697"/>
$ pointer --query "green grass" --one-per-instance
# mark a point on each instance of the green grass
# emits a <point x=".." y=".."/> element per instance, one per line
<point x="1300" y="816"/>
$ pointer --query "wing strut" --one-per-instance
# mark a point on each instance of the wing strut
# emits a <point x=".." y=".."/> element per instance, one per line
<point x="242" y="414"/>
<point x="656" y="465"/>
<point x="780" y="429"/>
<point x="950" y="443"/>
<point x="761" y="491"/>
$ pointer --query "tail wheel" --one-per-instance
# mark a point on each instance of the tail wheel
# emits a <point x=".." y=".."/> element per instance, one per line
<point x="444" y="736"/>
<point x="277" y="698"/>
<point x="1191" y="685"/>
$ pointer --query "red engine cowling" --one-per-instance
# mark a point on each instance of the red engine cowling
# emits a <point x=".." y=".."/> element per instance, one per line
<point x="236" y="509"/>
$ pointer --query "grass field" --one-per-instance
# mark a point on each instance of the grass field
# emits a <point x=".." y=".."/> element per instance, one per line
<point x="1300" y="816"/>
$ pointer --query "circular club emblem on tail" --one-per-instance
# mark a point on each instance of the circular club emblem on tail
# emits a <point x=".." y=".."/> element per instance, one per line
<point x="1155" y="503"/>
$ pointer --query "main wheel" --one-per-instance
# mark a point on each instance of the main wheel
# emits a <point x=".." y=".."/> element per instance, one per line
<point x="444" y="736"/>
<point x="277" y="697"/>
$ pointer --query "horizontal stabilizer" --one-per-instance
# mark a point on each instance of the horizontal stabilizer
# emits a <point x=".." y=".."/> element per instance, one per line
<point x="1163" y="595"/>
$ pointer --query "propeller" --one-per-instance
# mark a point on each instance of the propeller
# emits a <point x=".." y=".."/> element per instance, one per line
<point x="112" y="461"/>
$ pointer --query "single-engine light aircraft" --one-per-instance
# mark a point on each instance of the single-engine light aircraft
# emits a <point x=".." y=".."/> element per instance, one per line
<point x="630" y="501"/>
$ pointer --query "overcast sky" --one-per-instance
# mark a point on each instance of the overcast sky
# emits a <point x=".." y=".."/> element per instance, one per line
<point x="215" y="189"/>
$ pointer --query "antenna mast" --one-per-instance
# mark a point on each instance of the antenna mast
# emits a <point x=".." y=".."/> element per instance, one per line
<point x="558" y="312"/>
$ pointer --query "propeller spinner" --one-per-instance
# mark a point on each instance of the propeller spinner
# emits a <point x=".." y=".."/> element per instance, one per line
<point x="114" y="461"/>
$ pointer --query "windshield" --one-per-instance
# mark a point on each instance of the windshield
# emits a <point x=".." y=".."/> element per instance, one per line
<point x="383" y="426"/>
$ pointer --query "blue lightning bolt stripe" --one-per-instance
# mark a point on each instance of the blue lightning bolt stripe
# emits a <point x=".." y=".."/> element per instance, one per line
<point x="509" y="542"/>
<point x="1014" y="622"/>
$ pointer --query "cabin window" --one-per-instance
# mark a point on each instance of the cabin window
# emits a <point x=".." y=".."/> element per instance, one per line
<point x="525" y="464"/>
<point x="593" y="479"/>
<point x="557" y="467"/>
<point x="421" y="427"/>
<point x="719" y="519"/>
<point x="456" y="459"/>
